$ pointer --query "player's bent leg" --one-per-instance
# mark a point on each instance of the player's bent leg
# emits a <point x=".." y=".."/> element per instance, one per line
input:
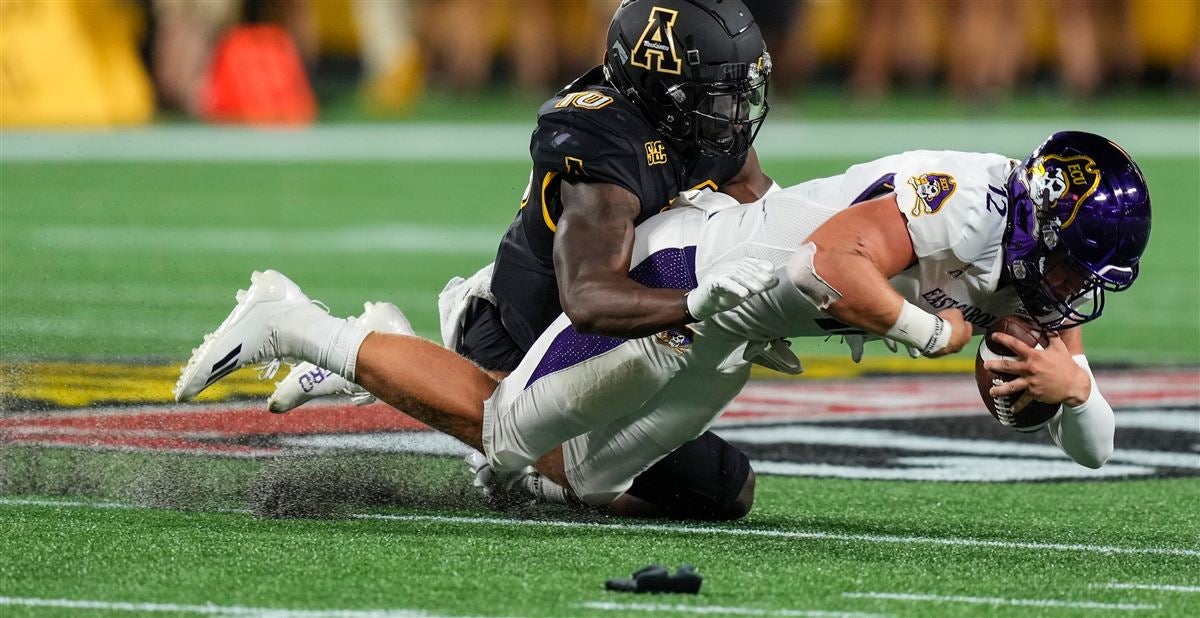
<point x="604" y="463"/>
<point x="570" y="383"/>
<point x="705" y="479"/>
<point x="274" y="319"/>
<point x="426" y="381"/>
<point x="567" y="385"/>
<point x="307" y="381"/>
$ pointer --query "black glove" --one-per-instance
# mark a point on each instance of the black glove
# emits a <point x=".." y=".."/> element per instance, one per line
<point x="655" y="578"/>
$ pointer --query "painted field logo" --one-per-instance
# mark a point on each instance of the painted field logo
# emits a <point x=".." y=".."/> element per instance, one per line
<point x="935" y="429"/>
<point x="897" y="428"/>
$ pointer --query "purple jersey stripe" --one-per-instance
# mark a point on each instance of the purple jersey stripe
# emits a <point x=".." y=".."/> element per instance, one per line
<point x="673" y="268"/>
<point x="885" y="184"/>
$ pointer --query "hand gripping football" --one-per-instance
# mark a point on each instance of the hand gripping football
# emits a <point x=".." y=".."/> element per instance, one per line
<point x="1031" y="416"/>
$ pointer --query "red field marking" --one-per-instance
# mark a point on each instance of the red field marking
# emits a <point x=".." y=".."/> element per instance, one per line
<point x="246" y="431"/>
<point x="228" y="422"/>
<point x="949" y="395"/>
<point x="186" y="429"/>
<point x="156" y="444"/>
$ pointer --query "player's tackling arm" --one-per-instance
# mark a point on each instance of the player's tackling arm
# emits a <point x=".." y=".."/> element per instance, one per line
<point x="847" y="272"/>
<point x="592" y="250"/>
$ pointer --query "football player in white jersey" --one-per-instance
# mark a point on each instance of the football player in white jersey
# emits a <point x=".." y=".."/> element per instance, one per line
<point x="925" y="248"/>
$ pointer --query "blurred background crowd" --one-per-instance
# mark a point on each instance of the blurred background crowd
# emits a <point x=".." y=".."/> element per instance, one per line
<point x="100" y="62"/>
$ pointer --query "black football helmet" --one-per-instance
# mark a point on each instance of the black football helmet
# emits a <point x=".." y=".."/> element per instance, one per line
<point x="698" y="70"/>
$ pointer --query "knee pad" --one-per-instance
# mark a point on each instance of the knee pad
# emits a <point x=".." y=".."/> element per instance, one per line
<point x="704" y="479"/>
<point x="741" y="506"/>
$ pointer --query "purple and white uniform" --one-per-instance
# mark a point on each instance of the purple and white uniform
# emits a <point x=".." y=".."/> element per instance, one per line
<point x="617" y="406"/>
<point x="955" y="206"/>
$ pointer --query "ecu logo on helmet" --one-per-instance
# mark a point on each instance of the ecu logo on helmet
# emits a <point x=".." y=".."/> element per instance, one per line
<point x="1053" y="177"/>
<point x="655" y="49"/>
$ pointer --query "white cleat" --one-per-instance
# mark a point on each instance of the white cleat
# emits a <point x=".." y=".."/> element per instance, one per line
<point x="246" y="337"/>
<point x="307" y="381"/>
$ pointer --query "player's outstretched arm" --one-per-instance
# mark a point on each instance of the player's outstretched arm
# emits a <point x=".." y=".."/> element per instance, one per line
<point x="1085" y="426"/>
<point x="592" y="250"/>
<point x="844" y="269"/>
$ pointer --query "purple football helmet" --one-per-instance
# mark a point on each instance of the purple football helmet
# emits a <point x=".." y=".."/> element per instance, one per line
<point x="1078" y="222"/>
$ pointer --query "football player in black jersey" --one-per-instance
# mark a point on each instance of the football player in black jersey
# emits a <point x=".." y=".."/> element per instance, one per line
<point x="675" y="106"/>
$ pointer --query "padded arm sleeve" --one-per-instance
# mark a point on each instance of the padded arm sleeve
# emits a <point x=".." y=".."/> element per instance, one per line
<point x="1085" y="433"/>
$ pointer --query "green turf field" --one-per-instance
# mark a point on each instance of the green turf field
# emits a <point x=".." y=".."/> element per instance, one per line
<point x="812" y="546"/>
<point x="131" y="261"/>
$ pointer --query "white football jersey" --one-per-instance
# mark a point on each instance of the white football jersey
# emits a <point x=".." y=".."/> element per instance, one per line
<point x="956" y="208"/>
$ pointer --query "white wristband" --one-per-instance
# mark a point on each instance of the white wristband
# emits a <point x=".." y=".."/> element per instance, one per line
<point x="920" y="329"/>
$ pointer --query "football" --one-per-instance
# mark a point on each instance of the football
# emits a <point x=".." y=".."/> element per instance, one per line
<point x="1032" y="416"/>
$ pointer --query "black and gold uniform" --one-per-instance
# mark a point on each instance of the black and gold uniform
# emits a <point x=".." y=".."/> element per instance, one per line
<point x="587" y="132"/>
<point x="675" y="106"/>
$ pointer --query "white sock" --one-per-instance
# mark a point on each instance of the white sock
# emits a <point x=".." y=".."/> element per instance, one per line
<point x="312" y="335"/>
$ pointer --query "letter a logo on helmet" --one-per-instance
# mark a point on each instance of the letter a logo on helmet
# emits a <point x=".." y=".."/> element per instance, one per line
<point x="696" y="69"/>
<point x="655" y="49"/>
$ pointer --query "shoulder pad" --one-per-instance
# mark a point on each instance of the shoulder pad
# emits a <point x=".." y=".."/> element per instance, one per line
<point x="945" y="197"/>
<point x="590" y="146"/>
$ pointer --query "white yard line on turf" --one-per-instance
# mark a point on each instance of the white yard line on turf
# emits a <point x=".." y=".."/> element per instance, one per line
<point x="995" y="601"/>
<point x="701" y="530"/>
<point x="793" y="534"/>
<point x="213" y="610"/>
<point x="456" y="142"/>
<point x="1156" y="587"/>
<point x="728" y="611"/>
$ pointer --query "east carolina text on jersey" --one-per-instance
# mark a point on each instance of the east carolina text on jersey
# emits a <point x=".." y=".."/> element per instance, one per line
<point x="939" y="299"/>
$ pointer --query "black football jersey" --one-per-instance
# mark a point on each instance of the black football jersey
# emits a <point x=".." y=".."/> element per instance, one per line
<point x="590" y="132"/>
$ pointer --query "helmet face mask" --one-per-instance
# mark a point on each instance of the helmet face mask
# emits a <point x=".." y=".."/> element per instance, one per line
<point x="1079" y="220"/>
<point x="1065" y="295"/>
<point x="723" y="118"/>
<point x="697" y="70"/>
